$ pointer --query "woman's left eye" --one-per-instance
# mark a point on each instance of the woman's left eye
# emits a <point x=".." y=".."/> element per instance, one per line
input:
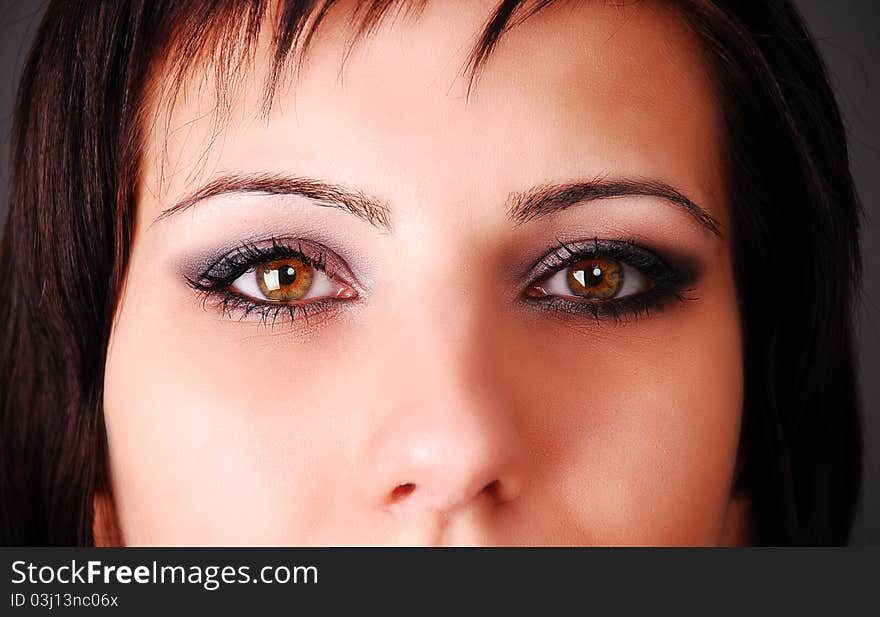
<point x="290" y="280"/>
<point x="593" y="279"/>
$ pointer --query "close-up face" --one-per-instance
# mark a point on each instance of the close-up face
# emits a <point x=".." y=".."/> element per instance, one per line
<point x="396" y="310"/>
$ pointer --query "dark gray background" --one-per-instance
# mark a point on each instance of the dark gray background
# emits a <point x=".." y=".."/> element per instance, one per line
<point x="848" y="39"/>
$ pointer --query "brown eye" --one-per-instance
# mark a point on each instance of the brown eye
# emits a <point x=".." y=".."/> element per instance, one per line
<point x="595" y="279"/>
<point x="294" y="279"/>
<point x="284" y="280"/>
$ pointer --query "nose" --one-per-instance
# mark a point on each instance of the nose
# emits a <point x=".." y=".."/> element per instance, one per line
<point x="440" y="433"/>
<point x="442" y="449"/>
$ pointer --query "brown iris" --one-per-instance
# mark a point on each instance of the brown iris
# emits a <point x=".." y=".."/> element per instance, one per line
<point x="284" y="280"/>
<point x="595" y="279"/>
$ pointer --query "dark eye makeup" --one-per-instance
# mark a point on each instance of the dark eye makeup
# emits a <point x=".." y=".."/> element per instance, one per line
<point x="593" y="271"/>
<point x="662" y="282"/>
<point x="216" y="280"/>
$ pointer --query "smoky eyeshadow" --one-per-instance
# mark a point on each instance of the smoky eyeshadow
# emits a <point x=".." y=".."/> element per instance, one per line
<point x="213" y="260"/>
<point x="686" y="267"/>
<point x="689" y="268"/>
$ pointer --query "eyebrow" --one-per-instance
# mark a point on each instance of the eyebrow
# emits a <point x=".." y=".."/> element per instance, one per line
<point x="370" y="209"/>
<point x="546" y="199"/>
<point x="522" y="207"/>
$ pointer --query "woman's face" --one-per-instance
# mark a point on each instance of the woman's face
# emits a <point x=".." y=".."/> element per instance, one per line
<point x="416" y="318"/>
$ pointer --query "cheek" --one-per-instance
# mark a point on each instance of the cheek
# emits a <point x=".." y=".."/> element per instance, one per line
<point x="212" y="426"/>
<point x="635" y="426"/>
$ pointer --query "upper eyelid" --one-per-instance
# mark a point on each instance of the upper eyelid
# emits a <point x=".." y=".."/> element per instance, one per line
<point x="315" y="254"/>
<point x="591" y="247"/>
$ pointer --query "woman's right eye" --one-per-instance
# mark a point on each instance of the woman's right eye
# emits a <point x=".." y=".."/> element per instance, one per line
<point x="289" y="281"/>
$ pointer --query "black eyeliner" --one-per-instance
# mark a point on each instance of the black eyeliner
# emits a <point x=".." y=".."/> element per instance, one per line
<point x="214" y="277"/>
<point x="671" y="279"/>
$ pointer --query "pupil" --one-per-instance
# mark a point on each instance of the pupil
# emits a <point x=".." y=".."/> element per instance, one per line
<point x="594" y="276"/>
<point x="286" y="275"/>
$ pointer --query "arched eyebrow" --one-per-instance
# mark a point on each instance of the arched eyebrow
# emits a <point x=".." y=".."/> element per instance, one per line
<point x="546" y="199"/>
<point x="370" y="209"/>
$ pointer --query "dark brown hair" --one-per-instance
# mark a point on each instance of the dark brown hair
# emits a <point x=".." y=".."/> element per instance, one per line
<point x="79" y="128"/>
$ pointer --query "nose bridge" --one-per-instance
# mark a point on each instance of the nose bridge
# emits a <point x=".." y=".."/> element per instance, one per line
<point x="432" y="315"/>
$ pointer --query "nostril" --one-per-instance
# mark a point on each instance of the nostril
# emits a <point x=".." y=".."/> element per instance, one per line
<point x="401" y="491"/>
<point x="493" y="488"/>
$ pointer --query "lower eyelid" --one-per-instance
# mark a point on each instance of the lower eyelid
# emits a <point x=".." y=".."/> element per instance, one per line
<point x="235" y="307"/>
<point x="630" y="308"/>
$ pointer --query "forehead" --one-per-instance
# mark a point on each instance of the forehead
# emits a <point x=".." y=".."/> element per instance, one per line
<point x="577" y="90"/>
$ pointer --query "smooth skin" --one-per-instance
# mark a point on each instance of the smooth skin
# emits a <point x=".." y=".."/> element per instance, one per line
<point x="438" y="406"/>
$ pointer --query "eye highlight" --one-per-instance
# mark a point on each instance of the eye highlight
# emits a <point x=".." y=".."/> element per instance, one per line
<point x="604" y="279"/>
<point x="288" y="278"/>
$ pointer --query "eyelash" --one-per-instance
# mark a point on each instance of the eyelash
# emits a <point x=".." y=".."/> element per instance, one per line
<point x="217" y="279"/>
<point x="666" y="285"/>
